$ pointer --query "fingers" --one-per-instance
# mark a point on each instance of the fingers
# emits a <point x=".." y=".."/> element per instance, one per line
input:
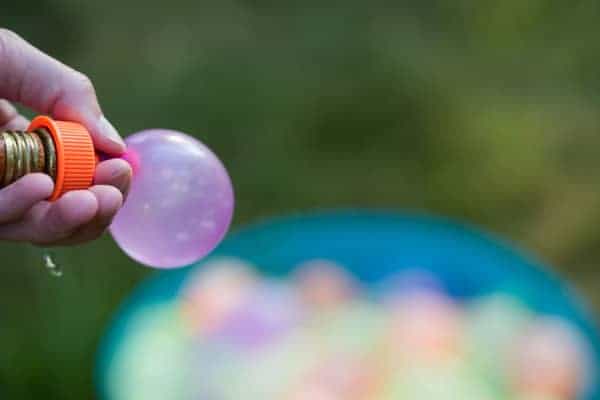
<point x="112" y="184"/>
<point x="47" y="223"/>
<point x="17" y="198"/>
<point x="10" y="117"/>
<point x="115" y="172"/>
<point x="109" y="202"/>
<point x="77" y="217"/>
<point x="44" y="84"/>
<point x="40" y="82"/>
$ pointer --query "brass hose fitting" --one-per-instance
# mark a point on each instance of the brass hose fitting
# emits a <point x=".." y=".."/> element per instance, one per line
<point x="62" y="150"/>
<point x="23" y="152"/>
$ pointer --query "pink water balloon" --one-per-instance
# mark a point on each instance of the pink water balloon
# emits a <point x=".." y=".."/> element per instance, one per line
<point x="180" y="203"/>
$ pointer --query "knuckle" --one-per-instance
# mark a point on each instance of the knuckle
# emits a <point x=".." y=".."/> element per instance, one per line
<point x="7" y="37"/>
<point x="7" y="111"/>
<point x="54" y="226"/>
<point x="11" y="192"/>
<point x="84" y="84"/>
<point x="38" y="237"/>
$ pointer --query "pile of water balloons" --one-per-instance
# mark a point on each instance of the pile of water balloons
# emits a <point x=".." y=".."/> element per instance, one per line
<point x="318" y="335"/>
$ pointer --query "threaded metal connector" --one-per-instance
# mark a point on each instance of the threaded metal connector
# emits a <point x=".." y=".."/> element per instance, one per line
<point x="24" y="152"/>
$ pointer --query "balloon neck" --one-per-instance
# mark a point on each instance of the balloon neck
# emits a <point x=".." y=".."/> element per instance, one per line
<point x="129" y="155"/>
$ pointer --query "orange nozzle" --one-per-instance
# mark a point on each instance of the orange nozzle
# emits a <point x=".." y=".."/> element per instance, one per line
<point x="75" y="155"/>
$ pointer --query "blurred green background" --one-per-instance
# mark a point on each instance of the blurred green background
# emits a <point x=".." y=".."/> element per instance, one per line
<point x="485" y="111"/>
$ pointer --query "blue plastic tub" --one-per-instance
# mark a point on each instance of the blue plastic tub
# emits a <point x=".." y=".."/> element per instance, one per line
<point x="374" y="245"/>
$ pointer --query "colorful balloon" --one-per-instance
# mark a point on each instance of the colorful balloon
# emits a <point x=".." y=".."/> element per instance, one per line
<point x="550" y="360"/>
<point x="324" y="284"/>
<point x="316" y="337"/>
<point x="426" y="326"/>
<point x="267" y="315"/>
<point x="211" y="294"/>
<point x="180" y="203"/>
<point x="154" y="362"/>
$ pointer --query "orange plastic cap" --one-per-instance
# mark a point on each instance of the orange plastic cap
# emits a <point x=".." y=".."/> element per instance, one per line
<point x="75" y="154"/>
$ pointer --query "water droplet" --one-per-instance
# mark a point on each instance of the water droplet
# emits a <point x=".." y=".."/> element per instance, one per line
<point x="51" y="266"/>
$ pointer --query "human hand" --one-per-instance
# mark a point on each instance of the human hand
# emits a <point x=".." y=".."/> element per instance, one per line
<point x="36" y="80"/>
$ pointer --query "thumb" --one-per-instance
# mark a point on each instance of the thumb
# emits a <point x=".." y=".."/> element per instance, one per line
<point x="38" y="81"/>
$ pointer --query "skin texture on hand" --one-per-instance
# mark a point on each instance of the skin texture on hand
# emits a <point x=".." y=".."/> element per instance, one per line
<point x="45" y="85"/>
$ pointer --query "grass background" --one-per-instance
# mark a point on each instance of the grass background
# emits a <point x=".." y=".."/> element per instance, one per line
<point x="484" y="111"/>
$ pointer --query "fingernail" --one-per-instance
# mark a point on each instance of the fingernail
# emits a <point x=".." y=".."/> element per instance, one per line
<point x="121" y="178"/>
<point x="109" y="131"/>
